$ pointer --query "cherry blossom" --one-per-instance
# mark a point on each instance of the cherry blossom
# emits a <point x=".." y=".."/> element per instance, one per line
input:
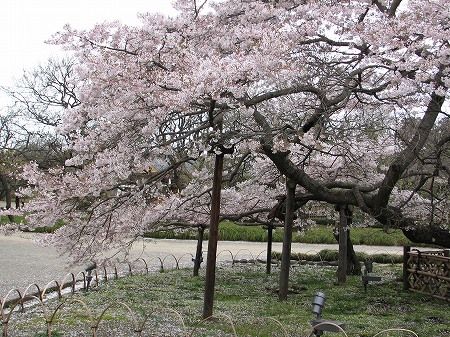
<point x="320" y="92"/>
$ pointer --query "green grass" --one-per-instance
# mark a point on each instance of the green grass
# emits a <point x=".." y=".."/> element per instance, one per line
<point x="333" y="255"/>
<point x="245" y="300"/>
<point x="47" y="229"/>
<point x="17" y="219"/>
<point x="228" y="231"/>
<point x="322" y="234"/>
<point x="23" y="221"/>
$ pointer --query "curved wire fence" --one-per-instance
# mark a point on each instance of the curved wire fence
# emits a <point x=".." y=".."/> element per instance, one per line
<point x="17" y="301"/>
<point x="175" y="324"/>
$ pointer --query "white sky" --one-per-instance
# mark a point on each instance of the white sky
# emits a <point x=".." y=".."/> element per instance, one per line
<point x="26" y="24"/>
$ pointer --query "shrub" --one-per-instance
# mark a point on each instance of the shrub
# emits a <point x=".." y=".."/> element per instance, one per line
<point x="330" y="255"/>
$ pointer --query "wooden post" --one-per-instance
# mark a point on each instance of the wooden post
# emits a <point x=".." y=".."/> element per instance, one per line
<point x="406" y="250"/>
<point x="343" y="234"/>
<point x="269" y="248"/>
<point x="287" y="240"/>
<point x="198" y="255"/>
<point x="213" y="235"/>
<point x="18" y="202"/>
<point x="8" y="198"/>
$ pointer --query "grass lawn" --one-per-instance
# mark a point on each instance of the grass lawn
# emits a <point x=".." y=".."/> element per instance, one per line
<point x="246" y="304"/>
<point x="229" y="231"/>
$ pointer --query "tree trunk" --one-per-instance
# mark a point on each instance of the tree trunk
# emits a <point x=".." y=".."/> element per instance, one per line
<point x="353" y="266"/>
<point x="8" y="197"/>
<point x="198" y="255"/>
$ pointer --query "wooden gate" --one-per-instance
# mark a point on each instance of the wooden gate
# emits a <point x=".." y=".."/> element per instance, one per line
<point x="428" y="272"/>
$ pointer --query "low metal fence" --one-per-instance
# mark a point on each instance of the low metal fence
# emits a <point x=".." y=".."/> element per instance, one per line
<point x="89" y="277"/>
<point x="175" y="325"/>
<point x="17" y="301"/>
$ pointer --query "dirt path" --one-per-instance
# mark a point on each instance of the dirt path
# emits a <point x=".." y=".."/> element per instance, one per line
<point x="22" y="262"/>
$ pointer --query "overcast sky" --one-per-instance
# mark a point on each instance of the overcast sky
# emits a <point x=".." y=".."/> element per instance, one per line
<point x="26" y="24"/>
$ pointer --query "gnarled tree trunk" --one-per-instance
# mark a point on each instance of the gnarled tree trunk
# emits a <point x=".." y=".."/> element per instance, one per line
<point x="353" y="267"/>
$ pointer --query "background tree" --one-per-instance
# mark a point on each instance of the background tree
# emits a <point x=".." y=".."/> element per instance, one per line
<point x="9" y="163"/>
<point x="28" y="125"/>
<point x="40" y="93"/>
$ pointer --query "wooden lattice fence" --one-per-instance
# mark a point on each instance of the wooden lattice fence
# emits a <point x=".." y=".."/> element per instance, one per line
<point x="428" y="272"/>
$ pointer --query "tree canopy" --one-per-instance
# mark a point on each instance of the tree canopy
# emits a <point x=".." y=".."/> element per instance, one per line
<point x="348" y="99"/>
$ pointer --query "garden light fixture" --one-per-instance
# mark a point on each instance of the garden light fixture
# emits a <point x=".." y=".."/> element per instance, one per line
<point x="89" y="268"/>
<point x="320" y="325"/>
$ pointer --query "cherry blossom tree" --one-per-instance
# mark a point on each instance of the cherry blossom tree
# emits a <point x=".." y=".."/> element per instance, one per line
<point x="348" y="99"/>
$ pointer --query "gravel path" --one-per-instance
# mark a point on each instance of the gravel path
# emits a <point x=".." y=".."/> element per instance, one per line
<point x="22" y="262"/>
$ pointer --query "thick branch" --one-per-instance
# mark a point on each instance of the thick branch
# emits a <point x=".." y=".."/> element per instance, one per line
<point x="430" y="233"/>
<point x="284" y="92"/>
<point x="406" y="157"/>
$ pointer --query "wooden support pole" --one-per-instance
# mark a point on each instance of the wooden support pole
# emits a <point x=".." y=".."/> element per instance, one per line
<point x="213" y="235"/>
<point x="287" y="241"/>
<point x="343" y="234"/>
<point x="269" y="248"/>
<point x="406" y="250"/>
